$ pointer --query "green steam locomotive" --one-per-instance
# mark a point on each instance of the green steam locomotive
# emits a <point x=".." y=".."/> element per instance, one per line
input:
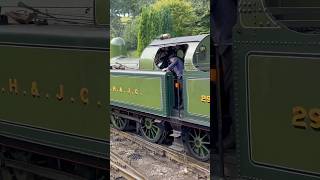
<point x="53" y="121"/>
<point x="276" y="66"/>
<point x="144" y="97"/>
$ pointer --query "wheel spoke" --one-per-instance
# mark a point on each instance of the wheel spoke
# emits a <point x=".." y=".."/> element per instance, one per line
<point x="195" y="132"/>
<point x="121" y="122"/>
<point x="192" y="136"/>
<point x="204" y="136"/>
<point x="196" y="149"/>
<point x="201" y="152"/>
<point x="152" y="133"/>
<point x="156" y="127"/>
<point x="148" y="132"/>
<point x="206" y="150"/>
<point x="156" y="130"/>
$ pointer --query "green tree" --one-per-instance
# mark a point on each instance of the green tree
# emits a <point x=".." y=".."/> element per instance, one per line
<point x="202" y="10"/>
<point x="123" y="14"/>
<point x="130" y="34"/>
<point x="116" y="27"/>
<point x="176" y="17"/>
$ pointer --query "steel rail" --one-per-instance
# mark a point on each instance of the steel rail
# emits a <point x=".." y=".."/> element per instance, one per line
<point x="124" y="168"/>
<point x="163" y="151"/>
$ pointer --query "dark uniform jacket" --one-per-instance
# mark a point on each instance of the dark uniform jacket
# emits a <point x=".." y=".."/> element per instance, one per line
<point x="176" y="66"/>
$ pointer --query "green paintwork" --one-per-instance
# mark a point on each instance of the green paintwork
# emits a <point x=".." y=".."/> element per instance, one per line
<point x="102" y="16"/>
<point x="147" y="58"/>
<point x="266" y="88"/>
<point x="196" y="84"/>
<point x="117" y="47"/>
<point x="59" y="36"/>
<point x="143" y="91"/>
<point x="201" y="57"/>
<point x="75" y="69"/>
<point x="148" y="88"/>
<point x="192" y="61"/>
<point x="253" y="16"/>
<point x="273" y="94"/>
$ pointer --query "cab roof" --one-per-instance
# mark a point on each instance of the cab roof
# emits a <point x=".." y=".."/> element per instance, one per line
<point x="178" y="40"/>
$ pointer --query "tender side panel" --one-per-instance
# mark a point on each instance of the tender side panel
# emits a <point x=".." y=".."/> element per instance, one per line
<point x="102" y="12"/>
<point x="144" y="92"/>
<point x="284" y="111"/>
<point x="197" y="96"/>
<point x="55" y="97"/>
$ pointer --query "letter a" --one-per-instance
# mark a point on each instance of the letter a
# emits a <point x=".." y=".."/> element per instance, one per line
<point x="34" y="89"/>
<point x="13" y="85"/>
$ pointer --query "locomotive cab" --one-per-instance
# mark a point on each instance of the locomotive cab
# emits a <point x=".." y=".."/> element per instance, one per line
<point x="161" y="60"/>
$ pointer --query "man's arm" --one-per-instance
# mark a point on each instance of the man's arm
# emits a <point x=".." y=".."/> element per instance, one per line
<point x="173" y="64"/>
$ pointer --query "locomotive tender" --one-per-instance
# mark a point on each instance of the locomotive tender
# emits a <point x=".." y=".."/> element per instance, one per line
<point x="276" y="97"/>
<point x="152" y="99"/>
<point x="53" y="122"/>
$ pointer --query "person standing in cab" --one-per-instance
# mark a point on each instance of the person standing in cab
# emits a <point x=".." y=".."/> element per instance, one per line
<point x="177" y="67"/>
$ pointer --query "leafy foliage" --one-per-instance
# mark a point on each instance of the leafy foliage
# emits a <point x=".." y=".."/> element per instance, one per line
<point x="176" y="17"/>
<point x="152" y="24"/>
<point x="202" y="10"/>
<point x="128" y="7"/>
<point x="138" y="22"/>
<point x="116" y="27"/>
<point x="130" y="34"/>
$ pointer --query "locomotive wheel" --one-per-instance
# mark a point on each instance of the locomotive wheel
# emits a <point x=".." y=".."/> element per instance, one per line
<point x="119" y="123"/>
<point x="197" y="143"/>
<point x="151" y="130"/>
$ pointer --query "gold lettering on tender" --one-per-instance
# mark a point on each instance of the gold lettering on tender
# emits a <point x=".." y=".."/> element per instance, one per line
<point x="205" y="99"/>
<point x="60" y="94"/>
<point x="129" y="91"/>
<point x="34" y="89"/>
<point x="299" y="115"/>
<point x="314" y="115"/>
<point x="13" y="85"/>
<point x="84" y="95"/>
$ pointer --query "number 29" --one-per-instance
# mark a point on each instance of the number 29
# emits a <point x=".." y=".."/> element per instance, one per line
<point x="300" y="114"/>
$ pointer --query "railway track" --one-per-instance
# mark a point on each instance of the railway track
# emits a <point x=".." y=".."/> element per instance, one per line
<point x="202" y="168"/>
<point x="126" y="170"/>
